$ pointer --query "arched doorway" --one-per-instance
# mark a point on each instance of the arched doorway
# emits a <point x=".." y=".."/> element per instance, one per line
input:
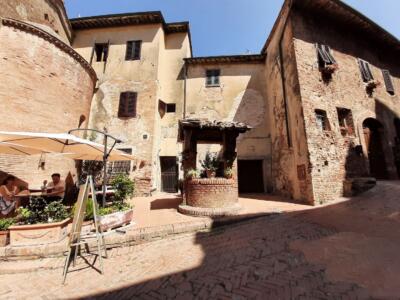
<point x="373" y="134"/>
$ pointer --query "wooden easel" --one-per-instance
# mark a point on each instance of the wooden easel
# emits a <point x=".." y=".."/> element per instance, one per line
<point x="76" y="239"/>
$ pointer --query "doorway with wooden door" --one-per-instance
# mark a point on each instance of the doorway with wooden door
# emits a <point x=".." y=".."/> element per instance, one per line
<point x="374" y="137"/>
<point x="169" y="174"/>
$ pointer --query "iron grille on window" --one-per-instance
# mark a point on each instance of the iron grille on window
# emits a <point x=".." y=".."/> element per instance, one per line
<point x="388" y="82"/>
<point x="120" y="167"/>
<point x="212" y="77"/>
<point x="133" y="49"/>
<point x="325" y="56"/>
<point x="365" y="70"/>
<point x="127" y="105"/>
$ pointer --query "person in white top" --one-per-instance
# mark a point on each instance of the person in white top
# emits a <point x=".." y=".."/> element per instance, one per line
<point x="55" y="190"/>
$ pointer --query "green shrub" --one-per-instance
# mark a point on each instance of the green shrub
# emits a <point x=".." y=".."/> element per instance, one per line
<point x="56" y="212"/>
<point x="192" y="173"/>
<point x="210" y="162"/>
<point x="5" y="223"/>
<point x="88" y="211"/>
<point x="124" y="187"/>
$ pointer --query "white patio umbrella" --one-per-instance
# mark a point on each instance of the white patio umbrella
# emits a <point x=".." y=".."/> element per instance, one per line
<point x="13" y="149"/>
<point x="115" y="155"/>
<point x="52" y="142"/>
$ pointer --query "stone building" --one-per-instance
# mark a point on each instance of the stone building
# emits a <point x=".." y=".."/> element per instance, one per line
<point x="321" y="96"/>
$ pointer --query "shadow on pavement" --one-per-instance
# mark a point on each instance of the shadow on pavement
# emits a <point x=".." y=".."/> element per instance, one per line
<point x="345" y="250"/>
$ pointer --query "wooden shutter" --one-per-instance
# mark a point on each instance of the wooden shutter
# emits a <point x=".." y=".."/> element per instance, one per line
<point x="131" y="104"/>
<point x="122" y="105"/>
<point x="365" y="70"/>
<point x="91" y="56"/>
<point x="138" y="48"/>
<point x="324" y="55"/>
<point x="388" y="81"/>
<point x="129" y="49"/>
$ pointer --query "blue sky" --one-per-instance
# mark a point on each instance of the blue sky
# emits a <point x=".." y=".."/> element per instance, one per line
<point x="221" y="27"/>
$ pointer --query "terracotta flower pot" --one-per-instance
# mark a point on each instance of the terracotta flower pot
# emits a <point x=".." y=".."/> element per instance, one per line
<point x="116" y="219"/>
<point x="38" y="234"/>
<point x="210" y="173"/>
<point x="3" y="238"/>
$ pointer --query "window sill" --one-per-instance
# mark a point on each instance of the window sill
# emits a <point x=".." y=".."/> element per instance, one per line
<point x="213" y="85"/>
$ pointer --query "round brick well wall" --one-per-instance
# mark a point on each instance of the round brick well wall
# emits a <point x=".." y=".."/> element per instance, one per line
<point x="211" y="193"/>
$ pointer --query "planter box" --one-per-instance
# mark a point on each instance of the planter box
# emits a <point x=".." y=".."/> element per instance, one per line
<point x="116" y="219"/>
<point x="38" y="234"/>
<point x="3" y="238"/>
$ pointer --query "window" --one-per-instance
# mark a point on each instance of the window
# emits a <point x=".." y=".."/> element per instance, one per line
<point x="101" y="52"/>
<point x="127" y="105"/>
<point x="345" y="118"/>
<point x="365" y="70"/>
<point x="121" y="167"/>
<point x="133" y="49"/>
<point x="325" y="56"/>
<point x="171" y="107"/>
<point x="388" y="82"/>
<point x="322" y="120"/>
<point x="212" y="77"/>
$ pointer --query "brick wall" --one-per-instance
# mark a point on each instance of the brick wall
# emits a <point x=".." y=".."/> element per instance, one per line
<point x="332" y="156"/>
<point x="50" y="13"/>
<point x="42" y="89"/>
<point x="211" y="192"/>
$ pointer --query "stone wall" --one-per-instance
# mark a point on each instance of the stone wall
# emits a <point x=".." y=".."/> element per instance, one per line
<point x="332" y="156"/>
<point x="44" y="87"/>
<point x="47" y="14"/>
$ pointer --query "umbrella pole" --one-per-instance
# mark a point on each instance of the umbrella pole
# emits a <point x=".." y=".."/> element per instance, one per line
<point x="104" y="170"/>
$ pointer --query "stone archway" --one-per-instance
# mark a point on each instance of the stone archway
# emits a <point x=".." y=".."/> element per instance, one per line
<point x="374" y="136"/>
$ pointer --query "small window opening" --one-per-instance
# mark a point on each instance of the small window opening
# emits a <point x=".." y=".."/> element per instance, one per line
<point x="212" y="77"/>
<point x="133" y="49"/>
<point x="46" y="17"/>
<point x="171" y="107"/>
<point x="322" y="120"/>
<point x="345" y="118"/>
<point x="101" y="51"/>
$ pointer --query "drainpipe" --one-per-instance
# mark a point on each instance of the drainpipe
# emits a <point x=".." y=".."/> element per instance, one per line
<point x="184" y="88"/>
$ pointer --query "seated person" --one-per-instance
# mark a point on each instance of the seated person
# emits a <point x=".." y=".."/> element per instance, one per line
<point x="8" y="196"/>
<point x="55" y="190"/>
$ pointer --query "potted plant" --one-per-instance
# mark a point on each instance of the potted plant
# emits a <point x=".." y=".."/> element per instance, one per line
<point x="372" y="85"/>
<point x="192" y="173"/>
<point x="328" y="70"/>
<point x="40" y="223"/>
<point x="119" y="213"/>
<point x="228" y="173"/>
<point x="210" y="164"/>
<point x="4" y="225"/>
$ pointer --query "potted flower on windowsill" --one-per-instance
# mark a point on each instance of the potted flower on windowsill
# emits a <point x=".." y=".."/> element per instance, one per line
<point x="4" y="225"/>
<point x="372" y="85"/>
<point x="210" y="164"/>
<point x="328" y="70"/>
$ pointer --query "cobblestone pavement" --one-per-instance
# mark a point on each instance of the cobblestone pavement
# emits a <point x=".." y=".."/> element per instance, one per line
<point x="252" y="260"/>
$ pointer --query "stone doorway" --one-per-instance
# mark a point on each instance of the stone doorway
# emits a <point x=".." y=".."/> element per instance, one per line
<point x="250" y="176"/>
<point x="169" y="174"/>
<point x="374" y="137"/>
